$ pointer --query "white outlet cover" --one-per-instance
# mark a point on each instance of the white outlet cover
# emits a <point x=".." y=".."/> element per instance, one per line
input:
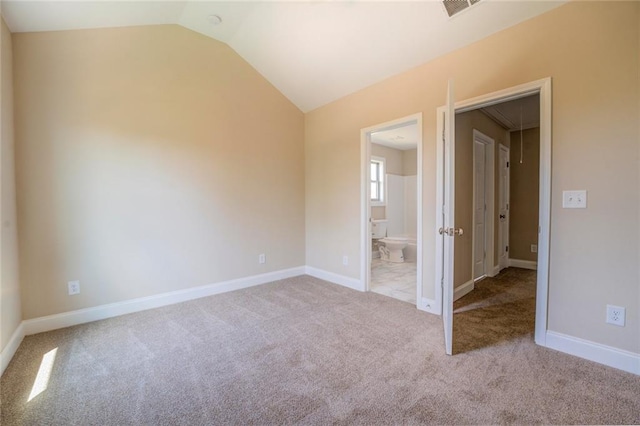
<point x="615" y="315"/>
<point x="74" y="287"/>
<point x="574" y="199"/>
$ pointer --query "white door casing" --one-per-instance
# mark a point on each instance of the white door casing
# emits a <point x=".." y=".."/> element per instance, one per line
<point x="543" y="88"/>
<point x="479" y="236"/>
<point x="365" y="202"/>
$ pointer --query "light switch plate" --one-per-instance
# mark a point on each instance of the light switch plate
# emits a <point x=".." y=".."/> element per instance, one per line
<point x="576" y="199"/>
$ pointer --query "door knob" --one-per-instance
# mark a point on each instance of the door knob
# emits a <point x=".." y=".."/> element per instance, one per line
<point x="451" y="231"/>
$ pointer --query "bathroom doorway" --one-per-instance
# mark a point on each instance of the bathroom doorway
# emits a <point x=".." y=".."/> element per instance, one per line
<point x="392" y="209"/>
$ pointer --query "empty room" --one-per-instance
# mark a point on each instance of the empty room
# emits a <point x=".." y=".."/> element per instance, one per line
<point x="320" y="212"/>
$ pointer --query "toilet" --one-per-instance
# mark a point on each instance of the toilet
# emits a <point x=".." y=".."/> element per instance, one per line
<point x="378" y="232"/>
<point x="389" y="248"/>
<point x="392" y="249"/>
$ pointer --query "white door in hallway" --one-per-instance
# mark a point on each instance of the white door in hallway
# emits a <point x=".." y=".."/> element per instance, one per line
<point x="479" y="209"/>
<point x="503" y="208"/>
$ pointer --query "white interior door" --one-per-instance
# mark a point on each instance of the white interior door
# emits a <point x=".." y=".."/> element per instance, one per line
<point x="480" y="211"/>
<point x="447" y="230"/>
<point x="503" y="207"/>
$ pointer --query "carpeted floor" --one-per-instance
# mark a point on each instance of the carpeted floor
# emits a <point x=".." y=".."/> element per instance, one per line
<point x="499" y="309"/>
<point x="303" y="351"/>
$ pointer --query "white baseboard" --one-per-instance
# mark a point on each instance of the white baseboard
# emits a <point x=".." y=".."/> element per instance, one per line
<point x="463" y="290"/>
<point x="525" y="264"/>
<point x="495" y="271"/>
<point x="349" y="282"/>
<point x="81" y="316"/>
<point x="602" y="354"/>
<point x="429" y="305"/>
<point x="12" y="346"/>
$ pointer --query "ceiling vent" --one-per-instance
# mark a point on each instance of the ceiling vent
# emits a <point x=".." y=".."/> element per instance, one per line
<point x="456" y="6"/>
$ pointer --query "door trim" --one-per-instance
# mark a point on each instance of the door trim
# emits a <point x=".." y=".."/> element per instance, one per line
<point x="365" y="200"/>
<point x="544" y="88"/>
<point x="505" y="229"/>
<point x="489" y="199"/>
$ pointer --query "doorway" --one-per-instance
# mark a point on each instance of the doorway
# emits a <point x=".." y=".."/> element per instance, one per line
<point x="449" y="230"/>
<point x="391" y="208"/>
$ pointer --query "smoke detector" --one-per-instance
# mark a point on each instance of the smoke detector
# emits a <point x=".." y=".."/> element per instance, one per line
<point x="214" y="19"/>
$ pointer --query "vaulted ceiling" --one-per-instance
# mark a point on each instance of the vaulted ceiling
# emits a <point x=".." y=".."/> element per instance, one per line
<point x="314" y="52"/>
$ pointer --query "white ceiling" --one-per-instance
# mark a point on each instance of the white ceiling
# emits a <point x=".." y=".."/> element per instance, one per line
<point x="520" y="113"/>
<point x="403" y="138"/>
<point x="314" y="52"/>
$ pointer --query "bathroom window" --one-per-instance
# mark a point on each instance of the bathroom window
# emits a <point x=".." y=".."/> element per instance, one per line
<point x="377" y="181"/>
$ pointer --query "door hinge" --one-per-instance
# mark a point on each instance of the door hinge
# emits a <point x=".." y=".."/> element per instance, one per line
<point x="507" y="250"/>
<point x="507" y="164"/>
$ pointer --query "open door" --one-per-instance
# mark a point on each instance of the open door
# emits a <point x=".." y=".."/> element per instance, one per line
<point x="447" y="230"/>
<point x="445" y="191"/>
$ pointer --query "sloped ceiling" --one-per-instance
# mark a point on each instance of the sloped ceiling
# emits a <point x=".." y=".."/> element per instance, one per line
<point x="314" y="52"/>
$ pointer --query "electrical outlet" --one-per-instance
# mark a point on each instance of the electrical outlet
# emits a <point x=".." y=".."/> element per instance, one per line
<point x="262" y="258"/>
<point x="534" y="248"/>
<point x="615" y="315"/>
<point x="574" y="199"/>
<point x="345" y="260"/>
<point x="74" y="287"/>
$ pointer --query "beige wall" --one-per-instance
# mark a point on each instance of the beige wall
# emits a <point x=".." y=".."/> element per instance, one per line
<point x="410" y="162"/>
<point x="524" y="194"/>
<point x="465" y="124"/>
<point x="393" y="158"/>
<point x="149" y="159"/>
<point x="378" y="212"/>
<point x="590" y="49"/>
<point x="10" y="309"/>
<point x="398" y="162"/>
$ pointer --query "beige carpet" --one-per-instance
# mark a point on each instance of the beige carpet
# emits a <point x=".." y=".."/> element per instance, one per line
<point x="303" y="351"/>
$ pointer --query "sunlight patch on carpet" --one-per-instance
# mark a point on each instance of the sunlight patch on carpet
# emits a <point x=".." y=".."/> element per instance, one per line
<point x="44" y="373"/>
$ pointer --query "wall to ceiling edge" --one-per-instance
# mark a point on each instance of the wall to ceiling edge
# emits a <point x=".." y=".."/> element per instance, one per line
<point x="590" y="49"/>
